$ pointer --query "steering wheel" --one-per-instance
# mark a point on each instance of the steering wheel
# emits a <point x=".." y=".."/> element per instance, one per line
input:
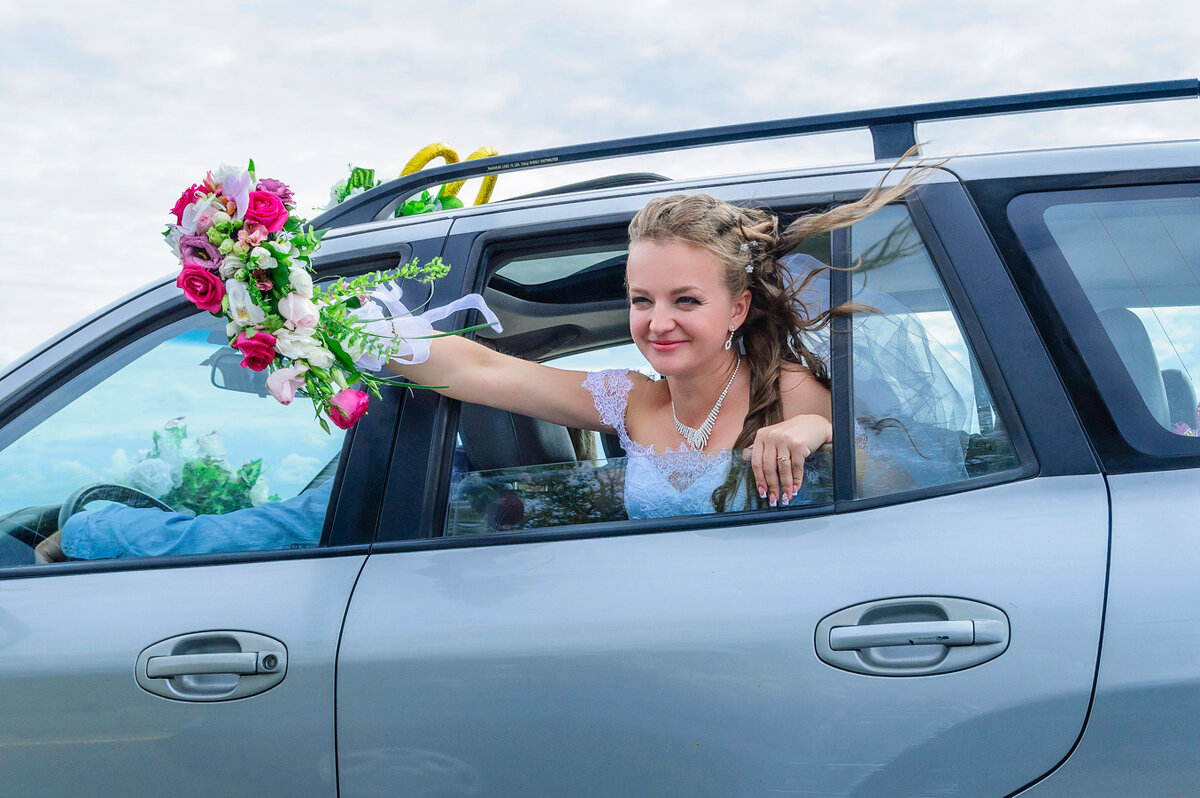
<point x="104" y="491"/>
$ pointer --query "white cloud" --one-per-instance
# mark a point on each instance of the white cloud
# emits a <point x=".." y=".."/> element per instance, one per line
<point x="107" y="117"/>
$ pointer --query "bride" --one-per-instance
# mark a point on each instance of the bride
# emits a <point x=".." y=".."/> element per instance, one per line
<point x="715" y="312"/>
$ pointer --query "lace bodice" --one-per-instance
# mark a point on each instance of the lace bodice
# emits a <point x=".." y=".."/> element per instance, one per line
<point x="657" y="484"/>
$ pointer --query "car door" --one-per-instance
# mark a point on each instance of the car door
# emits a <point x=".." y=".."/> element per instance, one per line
<point x="1122" y="259"/>
<point x="925" y="622"/>
<point x="189" y="654"/>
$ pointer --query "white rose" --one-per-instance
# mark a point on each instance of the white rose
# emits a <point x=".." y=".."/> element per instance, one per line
<point x="242" y="309"/>
<point x="259" y="493"/>
<point x="229" y="266"/>
<point x="301" y="282"/>
<point x="151" y="476"/>
<point x="302" y="345"/>
<point x="210" y="445"/>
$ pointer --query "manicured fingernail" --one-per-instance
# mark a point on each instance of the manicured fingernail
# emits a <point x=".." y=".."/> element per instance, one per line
<point x="762" y="493"/>
<point x="772" y="501"/>
<point x="785" y="498"/>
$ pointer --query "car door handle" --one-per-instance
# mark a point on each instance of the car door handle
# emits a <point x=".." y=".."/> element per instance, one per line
<point x="215" y="665"/>
<point x="919" y="633"/>
<point x="242" y="664"/>
<point x="912" y="636"/>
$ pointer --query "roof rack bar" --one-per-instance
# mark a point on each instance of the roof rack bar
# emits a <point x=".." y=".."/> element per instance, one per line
<point x="892" y="130"/>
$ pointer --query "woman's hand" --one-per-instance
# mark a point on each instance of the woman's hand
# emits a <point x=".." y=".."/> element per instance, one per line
<point x="778" y="452"/>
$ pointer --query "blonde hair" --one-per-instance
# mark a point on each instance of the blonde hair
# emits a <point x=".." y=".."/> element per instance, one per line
<point x="775" y="328"/>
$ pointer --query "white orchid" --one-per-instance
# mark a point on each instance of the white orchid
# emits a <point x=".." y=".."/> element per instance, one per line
<point x="242" y="309"/>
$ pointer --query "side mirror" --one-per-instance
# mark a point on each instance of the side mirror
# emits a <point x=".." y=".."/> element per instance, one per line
<point x="228" y="373"/>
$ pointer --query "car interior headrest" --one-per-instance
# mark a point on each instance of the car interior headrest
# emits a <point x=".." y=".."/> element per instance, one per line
<point x="499" y="439"/>
<point x="1132" y="343"/>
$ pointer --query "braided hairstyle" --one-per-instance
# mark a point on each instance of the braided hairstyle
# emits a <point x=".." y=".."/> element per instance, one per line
<point x="776" y="326"/>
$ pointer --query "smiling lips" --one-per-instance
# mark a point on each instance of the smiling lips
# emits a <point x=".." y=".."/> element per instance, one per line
<point x="665" y="346"/>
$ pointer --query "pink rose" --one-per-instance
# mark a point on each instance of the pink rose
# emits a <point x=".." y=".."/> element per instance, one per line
<point x="185" y="199"/>
<point x="258" y="351"/>
<point x="283" y="383"/>
<point x="253" y="234"/>
<point x="266" y="209"/>
<point x="201" y="287"/>
<point x="298" y="313"/>
<point x="347" y="407"/>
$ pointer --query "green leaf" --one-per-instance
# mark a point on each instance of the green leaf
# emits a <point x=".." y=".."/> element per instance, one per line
<point x="339" y="353"/>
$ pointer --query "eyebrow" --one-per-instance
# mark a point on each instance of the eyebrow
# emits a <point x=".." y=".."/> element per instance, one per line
<point x="685" y="289"/>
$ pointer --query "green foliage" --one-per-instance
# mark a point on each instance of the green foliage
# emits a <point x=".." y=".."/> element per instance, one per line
<point x="426" y="203"/>
<point x="208" y="489"/>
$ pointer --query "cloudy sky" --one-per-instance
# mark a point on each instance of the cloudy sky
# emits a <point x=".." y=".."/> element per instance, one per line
<point x="107" y="114"/>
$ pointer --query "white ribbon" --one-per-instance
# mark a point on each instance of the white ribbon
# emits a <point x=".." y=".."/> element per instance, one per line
<point x="411" y="335"/>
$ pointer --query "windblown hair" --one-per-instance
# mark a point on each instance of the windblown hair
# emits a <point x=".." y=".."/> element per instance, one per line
<point x="776" y="326"/>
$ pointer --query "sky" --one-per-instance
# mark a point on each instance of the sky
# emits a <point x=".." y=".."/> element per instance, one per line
<point x="107" y="115"/>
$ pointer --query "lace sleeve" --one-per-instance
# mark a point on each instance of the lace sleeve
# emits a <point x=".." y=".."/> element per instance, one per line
<point x="610" y="393"/>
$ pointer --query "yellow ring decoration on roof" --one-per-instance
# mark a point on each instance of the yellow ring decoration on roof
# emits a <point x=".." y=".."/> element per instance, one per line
<point x="441" y="150"/>
<point x="489" y="182"/>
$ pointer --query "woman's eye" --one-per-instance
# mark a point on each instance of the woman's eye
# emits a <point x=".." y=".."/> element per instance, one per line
<point x="639" y="300"/>
<point x="688" y="300"/>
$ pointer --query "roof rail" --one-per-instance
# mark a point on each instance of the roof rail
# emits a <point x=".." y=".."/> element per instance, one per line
<point x="893" y="131"/>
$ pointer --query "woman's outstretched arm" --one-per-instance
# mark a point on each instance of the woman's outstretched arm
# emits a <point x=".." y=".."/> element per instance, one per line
<point x="474" y="373"/>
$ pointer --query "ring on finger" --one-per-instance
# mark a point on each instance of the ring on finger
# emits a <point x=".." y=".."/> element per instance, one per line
<point x="784" y="458"/>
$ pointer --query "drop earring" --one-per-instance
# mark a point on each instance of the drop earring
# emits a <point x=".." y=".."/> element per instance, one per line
<point x="729" y="340"/>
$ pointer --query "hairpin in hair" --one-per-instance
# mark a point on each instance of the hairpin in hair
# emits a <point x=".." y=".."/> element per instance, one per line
<point x="749" y="268"/>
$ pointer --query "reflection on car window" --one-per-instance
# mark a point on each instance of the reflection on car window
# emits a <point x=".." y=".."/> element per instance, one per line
<point x="593" y="491"/>
<point x="1138" y="261"/>
<point x="178" y="427"/>
<point x="924" y="416"/>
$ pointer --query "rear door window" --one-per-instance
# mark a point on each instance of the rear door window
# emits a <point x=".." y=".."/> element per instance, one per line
<point x="1134" y="254"/>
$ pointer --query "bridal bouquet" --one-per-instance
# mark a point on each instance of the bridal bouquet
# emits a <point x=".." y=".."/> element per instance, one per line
<point x="245" y="257"/>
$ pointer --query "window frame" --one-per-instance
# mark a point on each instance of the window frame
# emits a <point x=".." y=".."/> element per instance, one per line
<point x="1122" y="427"/>
<point x="435" y="418"/>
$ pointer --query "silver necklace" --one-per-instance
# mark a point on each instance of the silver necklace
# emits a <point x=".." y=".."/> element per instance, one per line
<point x="697" y="438"/>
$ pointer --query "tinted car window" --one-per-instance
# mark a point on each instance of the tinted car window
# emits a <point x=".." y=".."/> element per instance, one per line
<point x="1138" y="261"/>
<point x="168" y="430"/>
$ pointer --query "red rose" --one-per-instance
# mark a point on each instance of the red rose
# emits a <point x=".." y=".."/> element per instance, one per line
<point x="201" y="287"/>
<point x="347" y="407"/>
<point x="185" y="199"/>
<point x="258" y="351"/>
<point x="266" y="209"/>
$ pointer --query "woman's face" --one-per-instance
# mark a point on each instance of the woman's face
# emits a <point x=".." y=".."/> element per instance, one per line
<point x="679" y="308"/>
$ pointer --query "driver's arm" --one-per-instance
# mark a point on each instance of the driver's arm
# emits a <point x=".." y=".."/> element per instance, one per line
<point x="118" y="531"/>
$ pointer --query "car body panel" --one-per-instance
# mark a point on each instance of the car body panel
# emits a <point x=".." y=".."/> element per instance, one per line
<point x="684" y="662"/>
<point x="77" y="723"/>
<point x="1143" y="735"/>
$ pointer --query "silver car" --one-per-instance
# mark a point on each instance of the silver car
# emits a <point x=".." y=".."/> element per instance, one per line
<point x="986" y="588"/>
